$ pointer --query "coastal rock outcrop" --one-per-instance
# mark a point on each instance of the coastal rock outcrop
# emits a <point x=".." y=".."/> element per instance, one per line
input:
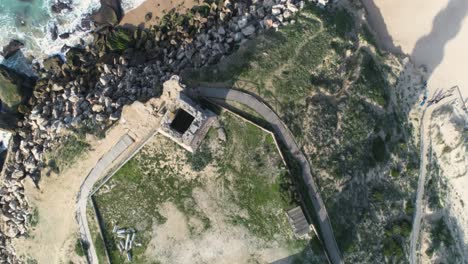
<point x="110" y="13"/>
<point x="15" y="88"/>
<point x="59" y="6"/>
<point x="12" y="47"/>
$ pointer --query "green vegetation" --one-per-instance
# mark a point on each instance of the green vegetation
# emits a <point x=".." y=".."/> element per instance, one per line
<point x="119" y="40"/>
<point x="394" y="172"/>
<point x="79" y="248"/>
<point x="409" y="209"/>
<point x="371" y="82"/>
<point x="34" y="218"/>
<point x="396" y="234"/>
<point x="392" y="248"/>
<point x="440" y="236"/>
<point x="30" y="260"/>
<point x="256" y="188"/>
<point x="201" y="158"/>
<point x="242" y="167"/>
<point x="100" y="248"/>
<point x="142" y="185"/>
<point x="67" y="153"/>
<point x="368" y="36"/>
<point x="93" y="228"/>
<point x="378" y="149"/>
<point x="15" y="88"/>
<point x="334" y="96"/>
<point x="10" y="93"/>
<point x="436" y="187"/>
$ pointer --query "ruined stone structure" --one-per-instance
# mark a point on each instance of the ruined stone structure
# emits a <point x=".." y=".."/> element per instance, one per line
<point x="183" y="120"/>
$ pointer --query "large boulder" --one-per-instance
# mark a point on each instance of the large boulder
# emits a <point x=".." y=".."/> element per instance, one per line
<point x="53" y="64"/>
<point x="58" y="6"/>
<point x="105" y="15"/>
<point x="15" y="88"/>
<point x="12" y="47"/>
<point x="110" y="13"/>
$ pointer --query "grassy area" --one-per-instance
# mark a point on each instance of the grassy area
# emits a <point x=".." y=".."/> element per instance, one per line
<point x="67" y="153"/>
<point x="79" y="250"/>
<point x="98" y="242"/>
<point x="243" y="169"/>
<point x="141" y="186"/>
<point x="256" y="188"/>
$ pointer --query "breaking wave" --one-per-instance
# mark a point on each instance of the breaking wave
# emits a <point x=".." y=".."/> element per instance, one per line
<point x="33" y="22"/>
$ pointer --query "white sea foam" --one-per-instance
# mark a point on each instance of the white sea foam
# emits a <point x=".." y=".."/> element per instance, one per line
<point x="37" y="34"/>
<point x="4" y="139"/>
<point x="128" y="5"/>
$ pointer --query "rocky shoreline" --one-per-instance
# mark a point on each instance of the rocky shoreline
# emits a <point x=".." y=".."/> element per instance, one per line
<point x="85" y="92"/>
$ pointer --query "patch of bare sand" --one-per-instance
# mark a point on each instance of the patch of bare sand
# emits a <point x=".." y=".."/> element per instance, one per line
<point x="222" y="243"/>
<point x="52" y="240"/>
<point x="434" y="33"/>
<point x="450" y="147"/>
<point x="157" y="8"/>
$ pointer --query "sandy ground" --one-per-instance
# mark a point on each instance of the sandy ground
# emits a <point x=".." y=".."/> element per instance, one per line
<point x="157" y="8"/>
<point x="223" y="243"/>
<point x="54" y="237"/>
<point x="433" y="32"/>
<point x="451" y="150"/>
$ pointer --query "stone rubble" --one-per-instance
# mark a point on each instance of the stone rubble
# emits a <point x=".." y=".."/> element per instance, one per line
<point x="89" y="89"/>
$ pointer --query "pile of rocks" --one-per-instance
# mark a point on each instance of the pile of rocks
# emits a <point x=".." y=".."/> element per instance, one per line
<point x="203" y="40"/>
<point x="89" y="89"/>
<point x="14" y="214"/>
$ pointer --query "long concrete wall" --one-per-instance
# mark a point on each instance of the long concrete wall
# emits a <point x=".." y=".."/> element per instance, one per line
<point x="286" y="138"/>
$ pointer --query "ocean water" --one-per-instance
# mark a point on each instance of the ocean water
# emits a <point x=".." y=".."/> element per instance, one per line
<point x="31" y="21"/>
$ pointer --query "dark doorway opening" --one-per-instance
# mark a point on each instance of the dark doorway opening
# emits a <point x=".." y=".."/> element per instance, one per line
<point x="182" y="121"/>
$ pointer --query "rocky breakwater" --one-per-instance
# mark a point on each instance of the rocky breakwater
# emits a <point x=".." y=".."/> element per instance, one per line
<point x="87" y="90"/>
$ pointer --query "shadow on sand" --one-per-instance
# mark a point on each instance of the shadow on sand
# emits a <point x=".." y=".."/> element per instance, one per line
<point x="429" y="50"/>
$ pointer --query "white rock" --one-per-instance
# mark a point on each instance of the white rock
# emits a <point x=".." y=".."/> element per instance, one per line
<point x="248" y="30"/>
<point x="222" y="134"/>
<point x="100" y="117"/>
<point x="107" y="69"/>
<point x="97" y="108"/>
<point x="11" y="229"/>
<point x="275" y="11"/>
<point x="103" y="80"/>
<point x="17" y="174"/>
<point x="57" y="87"/>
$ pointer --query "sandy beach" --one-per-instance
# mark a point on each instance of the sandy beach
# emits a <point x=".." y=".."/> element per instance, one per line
<point x="157" y="9"/>
<point x="434" y="33"/>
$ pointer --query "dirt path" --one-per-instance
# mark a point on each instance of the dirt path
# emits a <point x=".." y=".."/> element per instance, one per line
<point x="425" y="159"/>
